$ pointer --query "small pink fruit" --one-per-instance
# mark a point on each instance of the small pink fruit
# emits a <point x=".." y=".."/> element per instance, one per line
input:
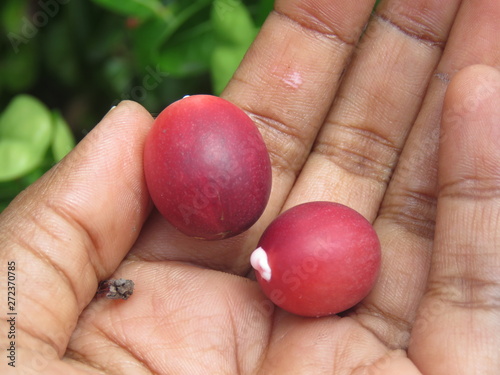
<point x="207" y="168"/>
<point x="317" y="259"/>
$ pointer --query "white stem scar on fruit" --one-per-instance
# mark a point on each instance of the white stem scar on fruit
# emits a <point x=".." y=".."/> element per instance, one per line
<point x="258" y="260"/>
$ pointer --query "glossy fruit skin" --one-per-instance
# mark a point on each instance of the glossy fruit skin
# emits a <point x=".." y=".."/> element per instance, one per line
<point x="207" y="167"/>
<point x="325" y="258"/>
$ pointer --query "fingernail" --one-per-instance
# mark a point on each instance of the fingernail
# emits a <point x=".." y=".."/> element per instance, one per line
<point x="107" y="113"/>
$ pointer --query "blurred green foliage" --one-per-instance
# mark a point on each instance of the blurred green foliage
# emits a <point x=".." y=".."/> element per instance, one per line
<point x="68" y="61"/>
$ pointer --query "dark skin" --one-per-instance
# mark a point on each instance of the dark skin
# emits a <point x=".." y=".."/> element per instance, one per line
<point x="411" y="141"/>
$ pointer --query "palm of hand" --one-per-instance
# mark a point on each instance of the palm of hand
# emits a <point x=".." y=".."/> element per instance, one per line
<point x="193" y="310"/>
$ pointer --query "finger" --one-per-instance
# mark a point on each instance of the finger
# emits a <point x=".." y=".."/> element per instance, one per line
<point x="359" y="145"/>
<point x="407" y="216"/>
<point x="462" y="306"/>
<point x="346" y="164"/>
<point x="286" y="83"/>
<point x="289" y="77"/>
<point x="75" y="225"/>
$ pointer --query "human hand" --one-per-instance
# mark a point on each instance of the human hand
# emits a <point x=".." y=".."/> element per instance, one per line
<point x="434" y="309"/>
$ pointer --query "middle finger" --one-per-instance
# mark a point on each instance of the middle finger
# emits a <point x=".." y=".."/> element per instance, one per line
<point x="378" y="101"/>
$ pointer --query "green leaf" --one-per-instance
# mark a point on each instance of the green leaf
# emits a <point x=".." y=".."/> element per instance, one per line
<point x="12" y="14"/>
<point x="189" y="52"/>
<point x="27" y="119"/>
<point x="16" y="159"/>
<point x="19" y="66"/>
<point x="265" y="7"/>
<point x="151" y="37"/>
<point x="60" y="52"/>
<point x="34" y="175"/>
<point x="25" y="136"/>
<point x="118" y="73"/>
<point x="235" y="31"/>
<point x="147" y="39"/>
<point x="134" y="8"/>
<point x="10" y="189"/>
<point x="232" y="22"/>
<point x="225" y="61"/>
<point x="3" y="205"/>
<point x="63" y="141"/>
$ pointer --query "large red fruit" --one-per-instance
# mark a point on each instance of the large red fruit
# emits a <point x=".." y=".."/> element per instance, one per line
<point x="207" y="167"/>
<point x="317" y="259"/>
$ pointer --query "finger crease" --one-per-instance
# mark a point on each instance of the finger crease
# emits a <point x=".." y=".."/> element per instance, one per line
<point x="316" y="27"/>
<point x="123" y="348"/>
<point x="40" y="254"/>
<point x="373" y="311"/>
<point x="364" y="153"/>
<point x="74" y="355"/>
<point x="235" y="335"/>
<point x="427" y="38"/>
<point x="282" y="160"/>
<point x="91" y="252"/>
<point x="413" y="211"/>
<point x="466" y="292"/>
<point x="471" y="188"/>
<point x="41" y="333"/>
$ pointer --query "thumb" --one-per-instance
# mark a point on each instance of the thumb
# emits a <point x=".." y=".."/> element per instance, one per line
<point x="73" y="227"/>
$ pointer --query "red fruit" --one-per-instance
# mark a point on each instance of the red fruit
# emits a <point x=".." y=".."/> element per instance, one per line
<point x="207" y="167"/>
<point x="317" y="259"/>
